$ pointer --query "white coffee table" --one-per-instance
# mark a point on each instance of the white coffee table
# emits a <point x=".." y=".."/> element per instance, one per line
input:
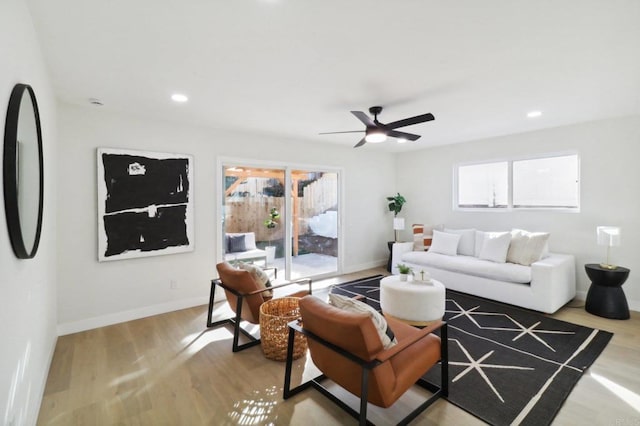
<point x="413" y="302"/>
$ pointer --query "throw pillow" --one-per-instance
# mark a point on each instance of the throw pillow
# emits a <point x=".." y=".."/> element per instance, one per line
<point x="249" y="239"/>
<point x="258" y="275"/>
<point x="351" y="305"/>
<point x="495" y="246"/>
<point x="422" y="236"/>
<point x="236" y="244"/>
<point x="526" y="247"/>
<point x="467" y="243"/>
<point x="445" y="243"/>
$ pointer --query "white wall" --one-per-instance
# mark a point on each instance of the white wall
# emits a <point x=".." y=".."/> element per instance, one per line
<point x="93" y="294"/>
<point x="609" y="152"/>
<point x="27" y="287"/>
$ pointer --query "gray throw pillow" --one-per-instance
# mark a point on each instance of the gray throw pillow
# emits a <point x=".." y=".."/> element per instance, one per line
<point x="236" y="244"/>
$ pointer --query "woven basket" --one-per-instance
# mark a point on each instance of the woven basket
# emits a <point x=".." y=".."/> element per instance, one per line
<point x="275" y="314"/>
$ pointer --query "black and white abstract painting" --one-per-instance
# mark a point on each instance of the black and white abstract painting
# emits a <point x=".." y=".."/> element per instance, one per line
<point x="145" y="204"/>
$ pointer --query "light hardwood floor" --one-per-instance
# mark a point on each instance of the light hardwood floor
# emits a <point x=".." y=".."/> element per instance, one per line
<point x="171" y="370"/>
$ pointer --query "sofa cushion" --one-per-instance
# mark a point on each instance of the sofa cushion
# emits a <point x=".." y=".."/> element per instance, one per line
<point x="467" y="240"/>
<point x="352" y="305"/>
<point x="526" y="247"/>
<point x="470" y="265"/>
<point x="445" y="243"/>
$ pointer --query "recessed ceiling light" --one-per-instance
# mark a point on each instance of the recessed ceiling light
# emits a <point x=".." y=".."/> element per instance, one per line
<point x="534" y="114"/>
<point x="402" y="140"/>
<point x="179" y="97"/>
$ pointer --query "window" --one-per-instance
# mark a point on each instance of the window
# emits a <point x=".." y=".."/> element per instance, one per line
<point x="534" y="183"/>
<point x="546" y="182"/>
<point x="483" y="185"/>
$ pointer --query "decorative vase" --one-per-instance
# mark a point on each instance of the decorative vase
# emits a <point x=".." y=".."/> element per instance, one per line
<point x="404" y="277"/>
<point x="271" y="253"/>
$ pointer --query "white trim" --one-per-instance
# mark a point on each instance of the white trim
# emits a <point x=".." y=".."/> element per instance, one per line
<point x="130" y="315"/>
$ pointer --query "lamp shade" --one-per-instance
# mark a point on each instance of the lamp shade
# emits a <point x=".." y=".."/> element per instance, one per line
<point x="608" y="236"/>
<point x="398" y="223"/>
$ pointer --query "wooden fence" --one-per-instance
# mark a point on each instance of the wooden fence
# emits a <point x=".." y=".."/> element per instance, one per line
<point x="247" y="214"/>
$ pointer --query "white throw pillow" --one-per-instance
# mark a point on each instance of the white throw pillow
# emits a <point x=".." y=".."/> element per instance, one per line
<point x="495" y="246"/>
<point x="467" y="243"/>
<point x="258" y="274"/>
<point x="445" y="243"/>
<point x="526" y="247"/>
<point x="352" y="305"/>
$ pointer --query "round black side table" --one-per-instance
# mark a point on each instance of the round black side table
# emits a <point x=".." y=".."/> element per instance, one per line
<point x="605" y="297"/>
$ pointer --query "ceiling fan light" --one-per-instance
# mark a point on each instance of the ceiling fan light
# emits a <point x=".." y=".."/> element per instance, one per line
<point x="375" y="137"/>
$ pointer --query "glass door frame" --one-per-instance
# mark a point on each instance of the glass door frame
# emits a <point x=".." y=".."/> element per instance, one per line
<point x="287" y="168"/>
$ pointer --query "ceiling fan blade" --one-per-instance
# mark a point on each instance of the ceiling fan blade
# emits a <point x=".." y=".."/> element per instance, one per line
<point x="409" y="121"/>
<point x="403" y="135"/>
<point x="364" y="118"/>
<point x="348" y="131"/>
<point x="359" y="144"/>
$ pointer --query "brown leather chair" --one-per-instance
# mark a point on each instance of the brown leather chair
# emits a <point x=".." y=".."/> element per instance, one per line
<point x="244" y="295"/>
<point x="347" y="349"/>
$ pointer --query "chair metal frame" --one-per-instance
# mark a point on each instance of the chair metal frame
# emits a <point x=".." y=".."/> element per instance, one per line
<point x="367" y="366"/>
<point x="237" y="319"/>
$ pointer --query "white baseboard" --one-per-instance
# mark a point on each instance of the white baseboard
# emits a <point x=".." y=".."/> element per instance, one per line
<point x="369" y="265"/>
<point x="118" y="317"/>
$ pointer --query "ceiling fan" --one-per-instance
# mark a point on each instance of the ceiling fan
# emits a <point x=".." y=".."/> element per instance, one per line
<point x="376" y="131"/>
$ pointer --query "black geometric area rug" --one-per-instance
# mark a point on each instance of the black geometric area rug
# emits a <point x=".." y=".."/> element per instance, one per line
<point x="507" y="365"/>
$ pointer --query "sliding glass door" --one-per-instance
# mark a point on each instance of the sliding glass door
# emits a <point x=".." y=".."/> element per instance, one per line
<point x="314" y="201"/>
<point x="288" y="218"/>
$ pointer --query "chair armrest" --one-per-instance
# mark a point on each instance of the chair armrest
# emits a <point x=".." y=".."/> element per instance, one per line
<point x="219" y="282"/>
<point x="273" y="287"/>
<point x="394" y="350"/>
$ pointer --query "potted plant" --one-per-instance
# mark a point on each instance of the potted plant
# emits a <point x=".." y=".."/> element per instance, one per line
<point x="271" y="222"/>
<point x="395" y="205"/>
<point x="404" y="271"/>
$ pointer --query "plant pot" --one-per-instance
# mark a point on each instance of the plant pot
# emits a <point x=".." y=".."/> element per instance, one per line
<point x="404" y="277"/>
<point x="271" y="253"/>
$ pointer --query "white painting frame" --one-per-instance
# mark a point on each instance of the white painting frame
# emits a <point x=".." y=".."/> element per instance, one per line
<point x="147" y="206"/>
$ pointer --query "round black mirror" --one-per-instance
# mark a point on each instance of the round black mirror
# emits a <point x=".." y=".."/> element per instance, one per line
<point x="23" y="172"/>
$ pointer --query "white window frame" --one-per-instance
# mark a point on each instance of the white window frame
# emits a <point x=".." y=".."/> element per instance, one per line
<point x="510" y="206"/>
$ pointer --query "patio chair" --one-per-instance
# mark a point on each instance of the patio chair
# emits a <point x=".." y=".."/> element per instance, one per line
<point x="245" y="296"/>
<point x="347" y="349"/>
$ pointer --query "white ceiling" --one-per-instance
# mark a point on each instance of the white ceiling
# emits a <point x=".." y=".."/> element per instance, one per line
<point x="294" y="68"/>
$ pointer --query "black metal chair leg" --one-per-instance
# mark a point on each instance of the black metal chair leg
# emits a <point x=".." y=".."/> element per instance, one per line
<point x="364" y="396"/>
<point x="212" y="296"/>
<point x="444" y="360"/>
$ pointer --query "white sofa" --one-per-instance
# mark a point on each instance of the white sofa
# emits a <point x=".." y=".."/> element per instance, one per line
<point x="251" y="252"/>
<point x="545" y="286"/>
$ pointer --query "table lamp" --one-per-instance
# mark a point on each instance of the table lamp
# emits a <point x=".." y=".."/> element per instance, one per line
<point x="608" y="236"/>
<point x="398" y="225"/>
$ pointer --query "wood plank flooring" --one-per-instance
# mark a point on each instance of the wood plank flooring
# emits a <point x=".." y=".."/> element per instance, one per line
<point x="170" y="369"/>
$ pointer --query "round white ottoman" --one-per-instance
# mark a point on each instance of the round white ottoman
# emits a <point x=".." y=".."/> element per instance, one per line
<point x="413" y="302"/>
